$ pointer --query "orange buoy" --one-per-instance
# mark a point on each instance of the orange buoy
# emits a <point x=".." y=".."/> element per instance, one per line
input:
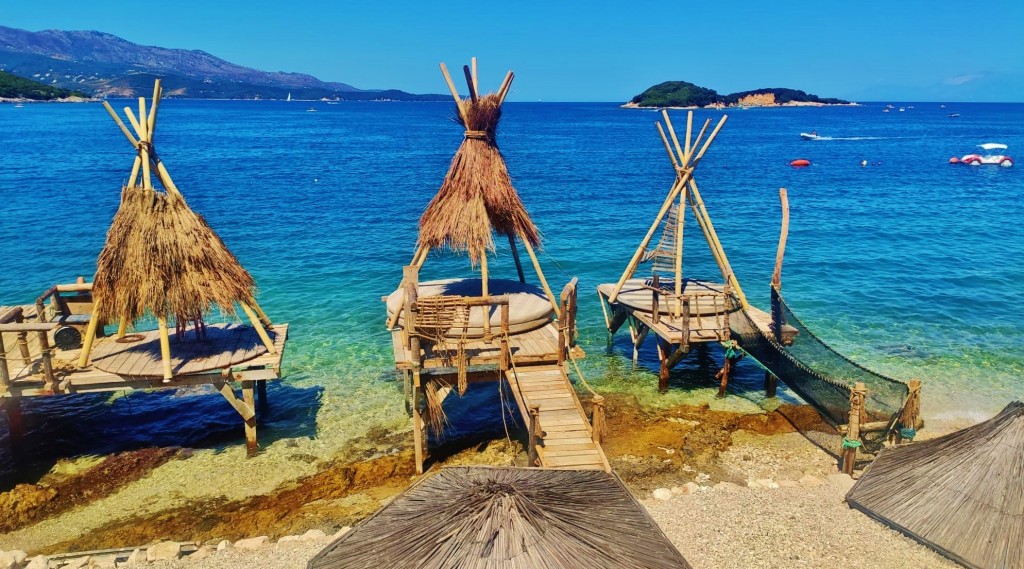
<point x="954" y="160"/>
<point x="800" y="163"/>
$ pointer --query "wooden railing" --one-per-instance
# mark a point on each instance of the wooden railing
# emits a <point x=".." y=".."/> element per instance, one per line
<point x="14" y="322"/>
<point x="717" y="322"/>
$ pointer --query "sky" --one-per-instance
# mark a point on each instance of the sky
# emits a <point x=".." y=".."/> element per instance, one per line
<point x="590" y="51"/>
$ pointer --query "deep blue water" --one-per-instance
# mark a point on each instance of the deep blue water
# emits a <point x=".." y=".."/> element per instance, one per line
<point x="910" y="266"/>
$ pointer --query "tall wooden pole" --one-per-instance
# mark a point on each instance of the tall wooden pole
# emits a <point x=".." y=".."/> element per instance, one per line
<point x="165" y="348"/>
<point x="515" y="257"/>
<point x="540" y="274"/>
<point x="90" y="334"/>
<point x="777" y="273"/>
<point x="715" y="243"/>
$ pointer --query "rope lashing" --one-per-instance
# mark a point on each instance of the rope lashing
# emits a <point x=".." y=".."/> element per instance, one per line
<point x="733" y="351"/>
<point x="848" y="443"/>
<point x="478" y="135"/>
<point x="908" y="432"/>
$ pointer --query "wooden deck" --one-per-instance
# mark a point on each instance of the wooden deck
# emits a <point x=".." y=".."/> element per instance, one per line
<point x="533" y="347"/>
<point x="566" y="437"/>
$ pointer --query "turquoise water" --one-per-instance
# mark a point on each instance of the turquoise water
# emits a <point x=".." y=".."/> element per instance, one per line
<point x="909" y="266"/>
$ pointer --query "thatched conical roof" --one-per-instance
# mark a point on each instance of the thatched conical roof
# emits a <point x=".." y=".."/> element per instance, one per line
<point x="961" y="494"/>
<point x="476" y="196"/>
<point x="163" y="258"/>
<point x="479" y="517"/>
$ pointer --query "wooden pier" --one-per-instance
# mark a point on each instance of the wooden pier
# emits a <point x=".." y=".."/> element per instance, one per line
<point x="40" y="346"/>
<point x="533" y="362"/>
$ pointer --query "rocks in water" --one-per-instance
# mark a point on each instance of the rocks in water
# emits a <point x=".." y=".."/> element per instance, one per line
<point x="251" y="543"/>
<point x="663" y="494"/>
<point x="163" y="551"/>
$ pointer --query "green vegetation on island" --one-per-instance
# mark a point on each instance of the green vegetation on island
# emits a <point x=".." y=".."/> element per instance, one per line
<point x="685" y="94"/>
<point x="14" y="87"/>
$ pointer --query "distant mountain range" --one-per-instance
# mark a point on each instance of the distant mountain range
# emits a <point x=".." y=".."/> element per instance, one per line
<point x="684" y="94"/>
<point x="104" y="65"/>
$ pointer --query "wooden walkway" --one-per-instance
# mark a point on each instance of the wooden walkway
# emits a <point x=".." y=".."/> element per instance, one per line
<point x="566" y="437"/>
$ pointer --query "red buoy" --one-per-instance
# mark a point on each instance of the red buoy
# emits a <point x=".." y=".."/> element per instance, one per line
<point x="954" y="160"/>
<point x="800" y="163"/>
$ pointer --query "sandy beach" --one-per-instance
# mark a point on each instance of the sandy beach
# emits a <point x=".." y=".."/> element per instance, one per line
<point x="729" y="489"/>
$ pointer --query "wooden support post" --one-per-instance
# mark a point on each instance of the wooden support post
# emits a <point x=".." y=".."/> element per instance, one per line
<point x="251" y="447"/>
<point x="777" y="273"/>
<point x="47" y="358"/>
<point x="534" y="435"/>
<point x="165" y="348"/>
<point x="505" y="359"/>
<point x="853" y="430"/>
<point x="684" y="341"/>
<point x="122" y="327"/>
<point x="540" y="274"/>
<point x="910" y="417"/>
<point x="261" y="391"/>
<point x="5" y="370"/>
<point x="15" y="426"/>
<point x="663" y="371"/>
<point x="723" y="377"/>
<point x="417" y="422"/>
<point x="597" y="418"/>
<point x="638" y="339"/>
<point x="771" y="384"/>
<point x="515" y="257"/>
<point x="655" y="299"/>
<point x="258" y="325"/>
<point x="562" y="343"/>
<point x="26" y="354"/>
<point x="90" y="334"/>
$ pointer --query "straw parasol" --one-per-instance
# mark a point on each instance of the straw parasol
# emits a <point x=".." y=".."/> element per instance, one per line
<point x="162" y="258"/>
<point x="480" y="517"/>
<point x="960" y="494"/>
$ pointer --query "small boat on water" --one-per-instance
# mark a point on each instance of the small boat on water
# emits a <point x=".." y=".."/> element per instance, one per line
<point x="813" y="135"/>
<point x="19" y="106"/>
<point x="902" y="110"/>
<point x="885" y="110"/>
<point x="954" y="115"/>
<point x="311" y="110"/>
<point x="986" y="155"/>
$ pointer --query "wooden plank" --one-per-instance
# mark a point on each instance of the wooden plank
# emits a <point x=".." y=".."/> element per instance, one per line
<point x="591" y="460"/>
<point x="568" y="443"/>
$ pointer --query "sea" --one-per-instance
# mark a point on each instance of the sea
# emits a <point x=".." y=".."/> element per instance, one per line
<point x="903" y="262"/>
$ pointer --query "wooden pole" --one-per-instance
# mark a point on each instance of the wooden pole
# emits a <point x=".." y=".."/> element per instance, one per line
<point x="470" y="83"/>
<point x="90" y="334"/>
<point x="483" y="275"/>
<point x="418" y="259"/>
<point x="476" y="82"/>
<point x="663" y="371"/>
<point x="771" y="384"/>
<point x="716" y="245"/>
<point x="417" y="422"/>
<point x="455" y="94"/>
<point x="631" y="267"/>
<point x="515" y="257"/>
<point x="777" y="273"/>
<point x="506" y="84"/>
<point x="124" y="129"/>
<point x="540" y="274"/>
<point x="597" y="418"/>
<point x="259" y="328"/>
<point x="165" y="348"/>
<point x="672" y="132"/>
<point x="5" y="371"/>
<point x="122" y="327"/>
<point x="910" y="417"/>
<point x="534" y="434"/>
<point x="668" y="148"/>
<point x="680" y="220"/>
<point x="689" y="130"/>
<point x="853" y="430"/>
<point x="251" y="445"/>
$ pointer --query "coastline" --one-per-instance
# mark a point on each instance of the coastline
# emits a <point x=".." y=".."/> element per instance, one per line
<point x="699" y="454"/>
<point x="632" y="105"/>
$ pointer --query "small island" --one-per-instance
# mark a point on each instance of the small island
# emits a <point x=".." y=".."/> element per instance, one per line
<point x="19" y="89"/>
<point x="687" y="95"/>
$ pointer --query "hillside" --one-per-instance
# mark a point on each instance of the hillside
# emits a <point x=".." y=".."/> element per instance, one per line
<point x="102" y="64"/>
<point x="14" y="87"/>
<point x="684" y="94"/>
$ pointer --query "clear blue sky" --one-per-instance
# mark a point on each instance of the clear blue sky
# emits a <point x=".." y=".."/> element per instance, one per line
<point x="591" y="51"/>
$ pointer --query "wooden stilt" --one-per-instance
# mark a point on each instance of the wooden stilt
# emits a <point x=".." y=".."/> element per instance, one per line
<point x="515" y="257"/>
<point x="258" y="325"/>
<point x="165" y="348"/>
<point x="852" y="439"/>
<point x="777" y="273"/>
<point x="251" y="446"/>
<point x="540" y="274"/>
<point x="90" y="335"/>
<point x="639" y="333"/>
<point x="770" y="384"/>
<point x="534" y="434"/>
<point x="261" y="392"/>
<point x="723" y="377"/>
<point x="597" y="418"/>
<point x="417" y="423"/>
<point x="5" y="370"/>
<point x="15" y="426"/>
<point x="663" y="370"/>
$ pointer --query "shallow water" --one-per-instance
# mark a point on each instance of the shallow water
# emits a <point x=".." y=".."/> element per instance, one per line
<point x="909" y="266"/>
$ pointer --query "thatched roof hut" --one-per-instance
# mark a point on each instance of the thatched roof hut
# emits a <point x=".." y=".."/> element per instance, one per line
<point x="961" y="494"/>
<point x="480" y="517"/>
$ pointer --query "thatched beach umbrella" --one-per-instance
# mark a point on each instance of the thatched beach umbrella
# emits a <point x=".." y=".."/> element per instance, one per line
<point x="961" y="494"/>
<point x="480" y="517"/>
<point x="162" y="258"/>
<point x="477" y="198"/>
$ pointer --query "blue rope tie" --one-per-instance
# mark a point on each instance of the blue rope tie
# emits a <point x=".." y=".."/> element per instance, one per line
<point x="848" y="444"/>
<point x="908" y="433"/>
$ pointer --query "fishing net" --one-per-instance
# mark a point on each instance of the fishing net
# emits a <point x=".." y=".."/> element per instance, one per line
<point x="821" y="376"/>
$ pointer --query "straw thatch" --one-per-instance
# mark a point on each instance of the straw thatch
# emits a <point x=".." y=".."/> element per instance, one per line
<point x="961" y="494"/>
<point x="476" y="196"/>
<point x="510" y="518"/>
<point x="162" y="257"/>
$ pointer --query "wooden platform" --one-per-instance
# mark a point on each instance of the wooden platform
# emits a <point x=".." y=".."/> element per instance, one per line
<point x="533" y="347"/>
<point x="566" y="436"/>
<point x="224" y="346"/>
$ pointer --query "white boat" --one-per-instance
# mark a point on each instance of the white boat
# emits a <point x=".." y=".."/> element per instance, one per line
<point x="311" y="110"/>
<point x="289" y="96"/>
<point x="810" y="135"/>
<point x="987" y="155"/>
<point x="18" y="106"/>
